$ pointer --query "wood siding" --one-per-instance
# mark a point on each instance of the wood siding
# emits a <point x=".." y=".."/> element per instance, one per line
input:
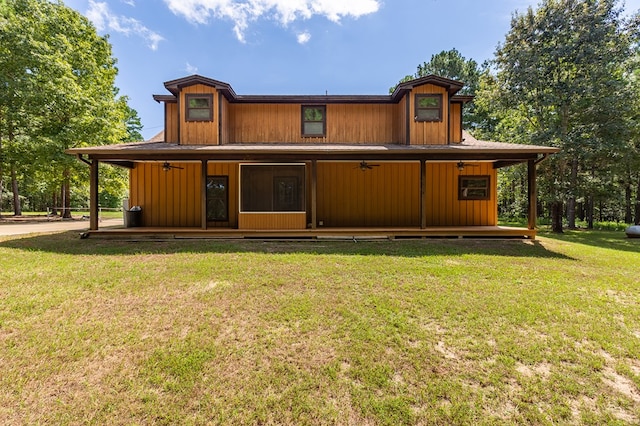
<point x="400" y="123"/>
<point x="425" y="132"/>
<point x="357" y="123"/>
<point x="230" y="170"/>
<point x="455" y="134"/>
<point x="171" y="122"/>
<point x="223" y="118"/>
<point x="264" y="221"/>
<point x="442" y="205"/>
<point x="345" y="123"/>
<point x="387" y="195"/>
<point x="198" y="132"/>
<point x="168" y="198"/>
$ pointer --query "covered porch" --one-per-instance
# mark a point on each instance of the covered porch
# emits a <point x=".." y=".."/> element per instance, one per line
<point x="424" y="158"/>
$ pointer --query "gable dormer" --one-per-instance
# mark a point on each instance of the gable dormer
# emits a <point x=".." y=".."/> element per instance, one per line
<point x="193" y="111"/>
<point x="432" y="115"/>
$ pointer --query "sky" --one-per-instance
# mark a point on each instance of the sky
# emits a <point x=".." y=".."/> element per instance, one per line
<point x="290" y="47"/>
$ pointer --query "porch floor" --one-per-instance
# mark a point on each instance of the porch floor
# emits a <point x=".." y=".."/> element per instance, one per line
<point x="318" y="233"/>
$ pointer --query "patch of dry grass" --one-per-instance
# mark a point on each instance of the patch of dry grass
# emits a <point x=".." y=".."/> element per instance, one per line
<point x="385" y="332"/>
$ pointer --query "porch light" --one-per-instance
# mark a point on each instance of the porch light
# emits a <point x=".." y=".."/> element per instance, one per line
<point x="460" y="165"/>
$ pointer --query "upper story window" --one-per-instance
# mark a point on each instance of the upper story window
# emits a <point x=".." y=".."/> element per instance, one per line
<point x="428" y="107"/>
<point x="314" y="120"/>
<point x="199" y="107"/>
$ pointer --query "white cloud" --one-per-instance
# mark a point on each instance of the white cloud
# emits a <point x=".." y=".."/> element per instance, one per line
<point x="190" y="69"/>
<point x="129" y="2"/>
<point x="102" y="17"/>
<point x="242" y="12"/>
<point x="304" y="37"/>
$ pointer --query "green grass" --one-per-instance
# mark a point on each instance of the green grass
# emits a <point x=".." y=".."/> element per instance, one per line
<point x="438" y="331"/>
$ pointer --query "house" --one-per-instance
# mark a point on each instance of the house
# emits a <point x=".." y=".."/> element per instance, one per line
<point x="319" y="165"/>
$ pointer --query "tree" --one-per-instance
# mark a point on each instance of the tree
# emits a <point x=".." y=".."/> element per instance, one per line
<point x="561" y="68"/>
<point x="58" y="92"/>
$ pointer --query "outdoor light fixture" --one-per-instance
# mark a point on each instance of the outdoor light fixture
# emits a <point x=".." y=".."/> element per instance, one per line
<point x="460" y="165"/>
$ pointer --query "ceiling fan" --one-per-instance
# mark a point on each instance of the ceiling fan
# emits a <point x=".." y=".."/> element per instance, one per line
<point x="461" y="165"/>
<point x="166" y="167"/>
<point x="364" y="166"/>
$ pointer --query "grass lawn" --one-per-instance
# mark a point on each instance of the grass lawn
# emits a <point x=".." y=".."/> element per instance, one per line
<point x="438" y="331"/>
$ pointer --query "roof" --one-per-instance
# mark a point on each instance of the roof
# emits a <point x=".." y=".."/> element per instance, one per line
<point x="469" y="149"/>
<point x="174" y="86"/>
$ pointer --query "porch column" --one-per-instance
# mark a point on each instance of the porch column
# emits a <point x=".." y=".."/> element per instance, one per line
<point x="314" y="193"/>
<point x="93" y="196"/>
<point x="203" y="195"/>
<point x="423" y="194"/>
<point x="532" y="193"/>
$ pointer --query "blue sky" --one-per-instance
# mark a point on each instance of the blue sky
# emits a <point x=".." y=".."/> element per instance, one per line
<point x="290" y="46"/>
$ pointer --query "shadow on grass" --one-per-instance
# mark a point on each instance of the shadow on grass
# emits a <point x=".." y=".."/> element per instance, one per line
<point x="70" y="243"/>
<point x="614" y="240"/>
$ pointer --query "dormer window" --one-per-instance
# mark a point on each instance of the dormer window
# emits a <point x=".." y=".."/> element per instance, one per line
<point x="314" y="120"/>
<point x="199" y="107"/>
<point x="428" y="107"/>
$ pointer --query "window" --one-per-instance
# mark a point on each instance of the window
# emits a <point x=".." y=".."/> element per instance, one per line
<point x="428" y="107"/>
<point x="314" y="121"/>
<point x="272" y="187"/>
<point x="473" y="188"/>
<point x="217" y="198"/>
<point x="199" y="107"/>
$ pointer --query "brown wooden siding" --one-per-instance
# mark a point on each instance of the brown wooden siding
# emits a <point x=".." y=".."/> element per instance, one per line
<point x="387" y="195"/>
<point x="429" y="133"/>
<point x="223" y="116"/>
<point x="400" y="122"/>
<point x="272" y="221"/>
<point x="456" y="123"/>
<point x="198" y="132"/>
<point x="167" y="198"/>
<point x="281" y="123"/>
<point x="443" y="207"/>
<point x="171" y="122"/>
<point x="230" y="170"/>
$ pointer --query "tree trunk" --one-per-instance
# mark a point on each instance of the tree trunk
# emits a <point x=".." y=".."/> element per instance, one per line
<point x="556" y="216"/>
<point x="571" y="201"/>
<point x="17" y="208"/>
<point x="66" y="195"/>
<point x="637" y="221"/>
<point x="627" y="202"/>
<point x="590" y="212"/>
<point x="54" y="202"/>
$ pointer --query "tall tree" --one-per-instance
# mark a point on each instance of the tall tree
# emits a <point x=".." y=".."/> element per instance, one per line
<point x="58" y="76"/>
<point x="561" y="68"/>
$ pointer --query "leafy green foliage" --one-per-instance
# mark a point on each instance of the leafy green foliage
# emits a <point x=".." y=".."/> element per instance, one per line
<point x="58" y="78"/>
<point x="563" y="80"/>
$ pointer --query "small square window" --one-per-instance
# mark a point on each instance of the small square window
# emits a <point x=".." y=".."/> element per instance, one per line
<point x="428" y="107"/>
<point x="314" y="121"/>
<point x="473" y="188"/>
<point x="199" y="107"/>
